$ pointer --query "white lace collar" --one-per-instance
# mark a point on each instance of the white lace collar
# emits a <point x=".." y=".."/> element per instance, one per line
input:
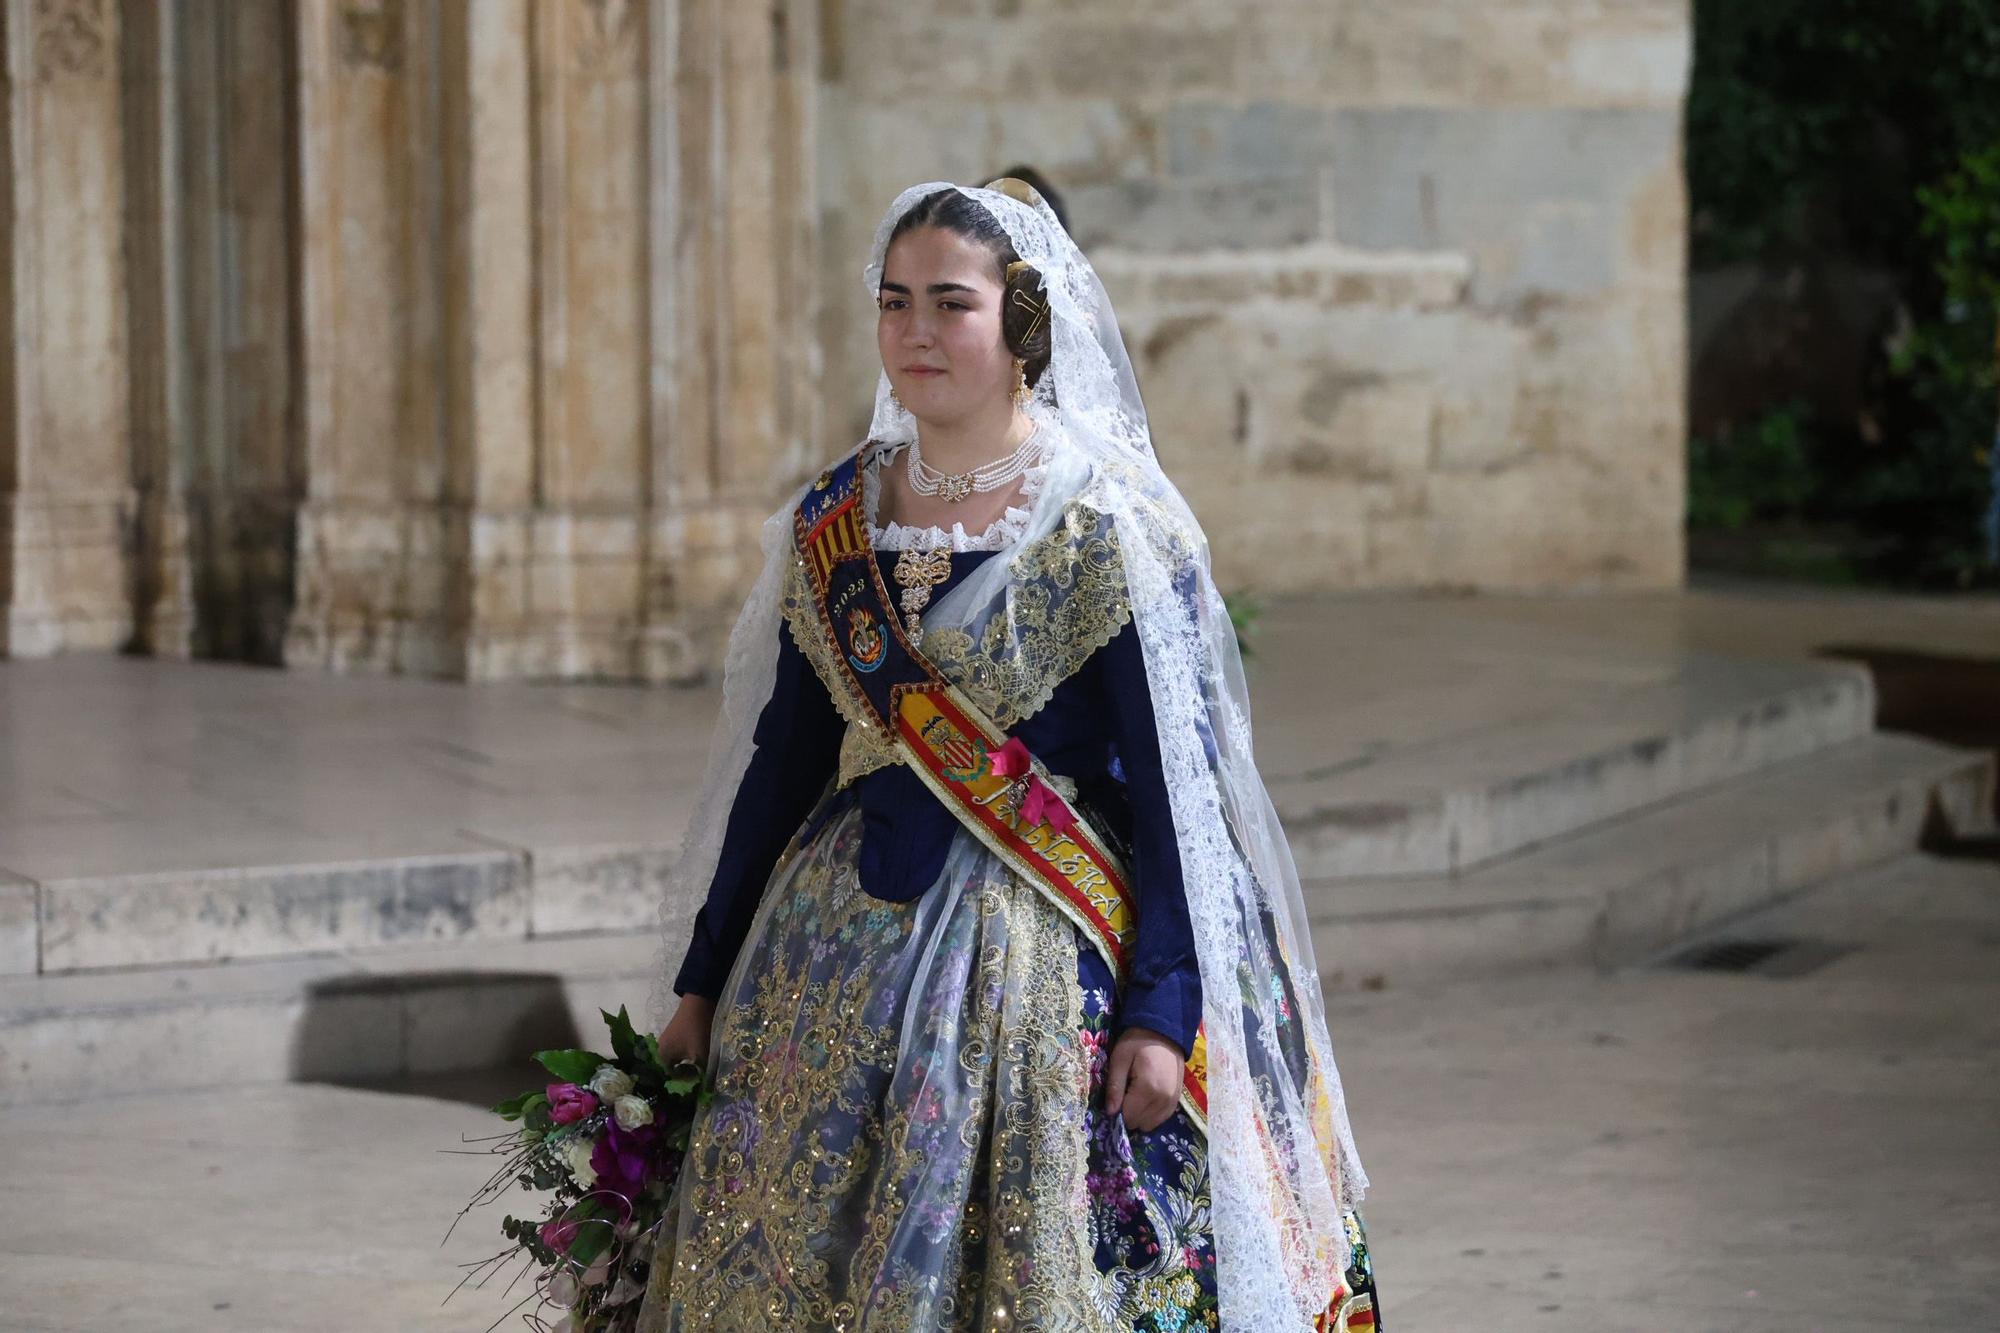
<point x="1009" y="527"/>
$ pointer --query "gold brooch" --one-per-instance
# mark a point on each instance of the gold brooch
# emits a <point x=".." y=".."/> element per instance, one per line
<point x="918" y="572"/>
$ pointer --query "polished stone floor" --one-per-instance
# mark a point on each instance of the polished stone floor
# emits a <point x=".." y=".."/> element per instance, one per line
<point x="1650" y="1152"/>
<point x="115" y="766"/>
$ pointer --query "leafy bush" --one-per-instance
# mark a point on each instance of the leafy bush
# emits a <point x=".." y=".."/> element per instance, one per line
<point x="1811" y="124"/>
<point x="1759" y="471"/>
<point x="1944" y="487"/>
<point x="1852" y="132"/>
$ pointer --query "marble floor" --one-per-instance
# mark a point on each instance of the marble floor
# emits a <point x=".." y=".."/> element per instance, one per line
<point x="1651" y="1151"/>
<point x="115" y="766"/>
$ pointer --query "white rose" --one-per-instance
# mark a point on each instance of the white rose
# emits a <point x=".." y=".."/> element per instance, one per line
<point x="632" y="1111"/>
<point x="577" y="1153"/>
<point x="610" y="1082"/>
<point x="562" y="1289"/>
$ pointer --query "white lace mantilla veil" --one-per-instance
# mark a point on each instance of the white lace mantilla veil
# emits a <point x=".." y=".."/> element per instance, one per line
<point x="1282" y="1161"/>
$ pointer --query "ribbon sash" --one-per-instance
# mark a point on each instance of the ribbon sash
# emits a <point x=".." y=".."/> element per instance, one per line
<point x="949" y="743"/>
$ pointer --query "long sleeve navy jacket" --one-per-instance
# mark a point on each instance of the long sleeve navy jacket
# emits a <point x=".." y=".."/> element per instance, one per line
<point x="1097" y="728"/>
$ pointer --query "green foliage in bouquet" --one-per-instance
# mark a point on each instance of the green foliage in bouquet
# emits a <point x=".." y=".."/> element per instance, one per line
<point x="604" y="1143"/>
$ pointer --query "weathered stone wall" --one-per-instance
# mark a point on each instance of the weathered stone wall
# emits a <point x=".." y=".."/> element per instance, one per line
<point x="1403" y="282"/>
<point x="401" y="334"/>
<point x="475" y="338"/>
<point x="65" y="489"/>
<point x="534" y="423"/>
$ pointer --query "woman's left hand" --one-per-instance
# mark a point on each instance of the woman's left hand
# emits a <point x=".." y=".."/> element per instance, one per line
<point x="1143" y="1079"/>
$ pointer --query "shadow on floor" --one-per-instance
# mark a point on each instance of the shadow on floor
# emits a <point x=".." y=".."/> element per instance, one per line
<point x="492" y="1021"/>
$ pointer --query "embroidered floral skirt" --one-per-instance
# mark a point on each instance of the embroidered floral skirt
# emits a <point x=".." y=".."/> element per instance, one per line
<point x="908" y="1134"/>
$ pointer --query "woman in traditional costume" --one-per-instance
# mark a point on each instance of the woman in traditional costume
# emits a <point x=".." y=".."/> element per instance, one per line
<point x="1002" y="976"/>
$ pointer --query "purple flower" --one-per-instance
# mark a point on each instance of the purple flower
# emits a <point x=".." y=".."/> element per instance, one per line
<point x="624" y="1158"/>
<point x="568" y="1103"/>
<point x="558" y="1232"/>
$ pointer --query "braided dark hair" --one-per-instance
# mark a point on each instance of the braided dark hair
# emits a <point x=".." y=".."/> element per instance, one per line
<point x="1025" y="330"/>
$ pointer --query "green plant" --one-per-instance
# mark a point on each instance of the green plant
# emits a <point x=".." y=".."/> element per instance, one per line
<point x="1838" y="134"/>
<point x="1812" y="123"/>
<point x="1948" y="472"/>
<point x="1762" y="470"/>
<point x="1243" y="612"/>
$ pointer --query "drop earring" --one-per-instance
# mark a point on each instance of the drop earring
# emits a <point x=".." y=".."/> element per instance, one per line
<point x="1021" y="389"/>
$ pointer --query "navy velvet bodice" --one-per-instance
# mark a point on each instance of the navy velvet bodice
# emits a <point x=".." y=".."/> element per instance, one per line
<point x="1097" y="728"/>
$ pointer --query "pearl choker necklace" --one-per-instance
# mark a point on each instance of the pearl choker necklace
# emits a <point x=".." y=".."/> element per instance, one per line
<point x="955" y="486"/>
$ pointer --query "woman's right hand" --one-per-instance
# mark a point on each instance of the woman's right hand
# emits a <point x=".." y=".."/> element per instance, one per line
<point x="685" y="1037"/>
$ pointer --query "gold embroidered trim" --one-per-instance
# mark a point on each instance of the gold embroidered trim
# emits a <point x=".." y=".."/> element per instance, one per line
<point x="1068" y="599"/>
<point x="865" y="748"/>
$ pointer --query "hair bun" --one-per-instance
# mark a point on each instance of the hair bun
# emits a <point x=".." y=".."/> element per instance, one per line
<point x="1016" y="188"/>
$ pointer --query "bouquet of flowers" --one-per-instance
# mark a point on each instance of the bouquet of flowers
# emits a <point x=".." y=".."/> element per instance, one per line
<point x="606" y="1142"/>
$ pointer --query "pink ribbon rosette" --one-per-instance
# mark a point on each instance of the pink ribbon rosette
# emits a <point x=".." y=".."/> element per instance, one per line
<point x="1041" y="803"/>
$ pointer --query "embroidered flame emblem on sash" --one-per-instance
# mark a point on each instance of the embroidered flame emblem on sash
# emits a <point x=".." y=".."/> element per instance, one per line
<point x="865" y="641"/>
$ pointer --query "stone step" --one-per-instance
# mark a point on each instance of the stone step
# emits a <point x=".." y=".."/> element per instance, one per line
<point x="218" y="915"/>
<point x="1461" y="799"/>
<point x="1471" y="796"/>
<point x="371" y="1015"/>
<point x="1611" y="895"/>
<point x="1630" y="888"/>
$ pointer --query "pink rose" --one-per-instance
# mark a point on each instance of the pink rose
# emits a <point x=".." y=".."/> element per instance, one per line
<point x="558" y="1232"/>
<point x="568" y="1103"/>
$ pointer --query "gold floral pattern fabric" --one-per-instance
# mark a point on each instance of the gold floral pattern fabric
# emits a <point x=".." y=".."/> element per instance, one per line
<point x="903" y="1133"/>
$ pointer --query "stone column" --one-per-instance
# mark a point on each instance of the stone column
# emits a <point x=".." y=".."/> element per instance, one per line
<point x="556" y="319"/>
<point x="738" y="296"/>
<point x="487" y="71"/>
<point x="163" y="604"/>
<point x="209" y="236"/>
<point x="65" y="483"/>
<point x="577" y="555"/>
<point x="375" y="547"/>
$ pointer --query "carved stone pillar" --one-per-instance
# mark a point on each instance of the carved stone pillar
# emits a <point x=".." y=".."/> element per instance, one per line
<point x="556" y="316"/>
<point x="489" y="317"/>
<point x="737" y="299"/>
<point x="163" y="605"/>
<point x="65" y="487"/>
<point x="375" y="545"/>
<point x="208" y="170"/>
